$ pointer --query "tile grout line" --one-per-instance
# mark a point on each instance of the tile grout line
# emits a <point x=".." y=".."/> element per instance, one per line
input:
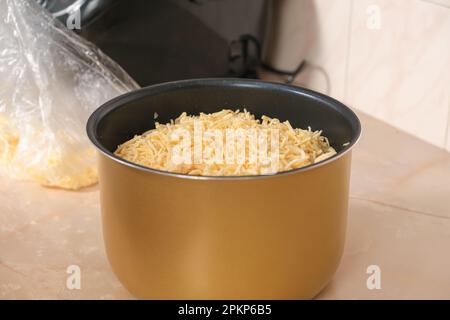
<point x="7" y="267"/>
<point x="393" y="206"/>
<point x="349" y="47"/>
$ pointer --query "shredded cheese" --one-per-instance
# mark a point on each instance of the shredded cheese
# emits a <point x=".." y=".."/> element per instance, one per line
<point x="296" y="147"/>
<point x="72" y="169"/>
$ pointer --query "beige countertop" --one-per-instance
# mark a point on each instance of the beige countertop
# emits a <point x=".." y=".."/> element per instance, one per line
<point x="399" y="220"/>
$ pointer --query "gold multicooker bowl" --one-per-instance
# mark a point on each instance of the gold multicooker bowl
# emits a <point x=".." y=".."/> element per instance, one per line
<point x="175" y="236"/>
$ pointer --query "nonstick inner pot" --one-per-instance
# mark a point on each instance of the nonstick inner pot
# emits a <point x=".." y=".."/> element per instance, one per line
<point x="133" y="113"/>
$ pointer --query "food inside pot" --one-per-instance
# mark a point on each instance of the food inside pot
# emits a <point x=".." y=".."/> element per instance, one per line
<point x="226" y="143"/>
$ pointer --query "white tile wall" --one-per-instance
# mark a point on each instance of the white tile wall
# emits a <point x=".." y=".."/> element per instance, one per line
<point x="400" y="72"/>
<point x="448" y="131"/>
<point x="389" y="58"/>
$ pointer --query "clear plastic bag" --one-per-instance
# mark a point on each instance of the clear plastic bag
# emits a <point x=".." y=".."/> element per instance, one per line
<point x="51" y="81"/>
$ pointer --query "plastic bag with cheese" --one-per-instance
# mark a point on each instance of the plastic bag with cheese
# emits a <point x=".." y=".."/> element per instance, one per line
<point x="51" y="81"/>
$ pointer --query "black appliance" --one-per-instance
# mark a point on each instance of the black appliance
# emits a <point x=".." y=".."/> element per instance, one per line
<point x="163" y="40"/>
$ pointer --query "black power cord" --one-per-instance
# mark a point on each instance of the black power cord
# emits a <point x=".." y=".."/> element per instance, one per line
<point x="291" y="75"/>
<point x="250" y="65"/>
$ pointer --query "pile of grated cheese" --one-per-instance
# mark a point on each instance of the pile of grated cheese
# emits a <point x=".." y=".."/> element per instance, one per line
<point x="297" y="147"/>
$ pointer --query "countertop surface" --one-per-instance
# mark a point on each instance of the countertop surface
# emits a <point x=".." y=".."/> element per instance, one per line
<point x="399" y="220"/>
